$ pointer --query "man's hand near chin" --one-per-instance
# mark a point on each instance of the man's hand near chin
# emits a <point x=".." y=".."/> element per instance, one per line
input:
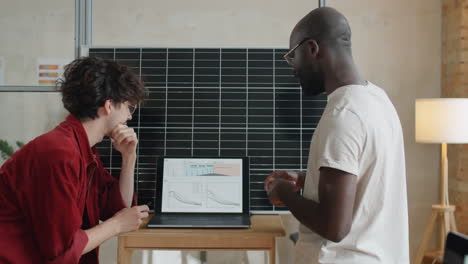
<point x="124" y="140"/>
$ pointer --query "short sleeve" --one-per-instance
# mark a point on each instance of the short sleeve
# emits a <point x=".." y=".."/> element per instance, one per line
<point x="342" y="141"/>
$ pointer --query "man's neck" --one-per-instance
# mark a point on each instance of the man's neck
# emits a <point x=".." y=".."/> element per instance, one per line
<point x="343" y="72"/>
<point x="94" y="131"/>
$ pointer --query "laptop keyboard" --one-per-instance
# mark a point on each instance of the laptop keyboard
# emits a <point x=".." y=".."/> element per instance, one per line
<point x="200" y="219"/>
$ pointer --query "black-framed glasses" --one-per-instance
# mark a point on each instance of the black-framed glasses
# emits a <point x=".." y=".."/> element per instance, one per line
<point x="132" y="108"/>
<point x="289" y="55"/>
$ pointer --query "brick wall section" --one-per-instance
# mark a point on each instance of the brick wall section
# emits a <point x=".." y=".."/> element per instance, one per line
<point x="455" y="84"/>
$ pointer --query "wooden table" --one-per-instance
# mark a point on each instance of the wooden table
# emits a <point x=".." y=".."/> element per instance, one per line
<point x="260" y="236"/>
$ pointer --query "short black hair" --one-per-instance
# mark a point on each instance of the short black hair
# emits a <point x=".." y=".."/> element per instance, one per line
<point x="327" y="26"/>
<point x="89" y="81"/>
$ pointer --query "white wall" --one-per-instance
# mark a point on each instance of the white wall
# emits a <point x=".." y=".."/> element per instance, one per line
<point x="24" y="116"/>
<point x="397" y="45"/>
<point x="31" y="30"/>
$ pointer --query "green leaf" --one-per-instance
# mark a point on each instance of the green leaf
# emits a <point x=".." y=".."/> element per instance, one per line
<point x="19" y="144"/>
<point x="5" y="149"/>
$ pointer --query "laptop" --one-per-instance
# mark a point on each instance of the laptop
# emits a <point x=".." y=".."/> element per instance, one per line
<point x="456" y="249"/>
<point x="202" y="193"/>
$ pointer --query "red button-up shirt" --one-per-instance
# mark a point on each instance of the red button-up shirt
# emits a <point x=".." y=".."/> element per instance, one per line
<point x="51" y="190"/>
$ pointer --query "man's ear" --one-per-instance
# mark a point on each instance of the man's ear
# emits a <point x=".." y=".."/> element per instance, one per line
<point x="314" y="48"/>
<point x="107" y="107"/>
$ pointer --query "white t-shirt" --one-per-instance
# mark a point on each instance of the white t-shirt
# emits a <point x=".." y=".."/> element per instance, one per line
<point x="360" y="133"/>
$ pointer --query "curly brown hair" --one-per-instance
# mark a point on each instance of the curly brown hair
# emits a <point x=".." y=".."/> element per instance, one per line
<point x="90" y="81"/>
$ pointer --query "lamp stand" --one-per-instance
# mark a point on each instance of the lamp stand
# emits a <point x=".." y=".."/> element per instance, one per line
<point x="443" y="211"/>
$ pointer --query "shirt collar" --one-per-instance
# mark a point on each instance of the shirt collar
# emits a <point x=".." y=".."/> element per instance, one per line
<point x="340" y="91"/>
<point x="87" y="152"/>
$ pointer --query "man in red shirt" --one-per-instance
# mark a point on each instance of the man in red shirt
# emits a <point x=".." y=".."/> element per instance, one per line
<point x="54" y="190"/>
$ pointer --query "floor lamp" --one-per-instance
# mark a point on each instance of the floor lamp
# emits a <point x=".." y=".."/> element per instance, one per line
<point x="440" y="120"/>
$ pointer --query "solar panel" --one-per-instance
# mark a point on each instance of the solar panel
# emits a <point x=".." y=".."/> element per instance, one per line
<point x="210" y="102"/>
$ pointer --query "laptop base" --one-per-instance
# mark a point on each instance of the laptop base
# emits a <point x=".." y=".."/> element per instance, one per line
<point x="176" y="220"/>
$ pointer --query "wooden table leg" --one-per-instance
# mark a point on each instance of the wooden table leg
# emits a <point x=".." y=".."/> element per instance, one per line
<point x="273" y="252"/>
<point x="124" y="254"/>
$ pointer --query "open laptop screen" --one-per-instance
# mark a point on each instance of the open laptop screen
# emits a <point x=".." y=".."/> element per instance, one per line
<point x="196" y="185"/>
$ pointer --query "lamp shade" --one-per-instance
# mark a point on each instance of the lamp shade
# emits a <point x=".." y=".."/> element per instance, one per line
<point x="442" y="120"/>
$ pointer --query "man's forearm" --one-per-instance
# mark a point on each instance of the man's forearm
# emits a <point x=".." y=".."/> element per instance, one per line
<point x="301" y="178"/>
<point x="100" y="233"/>
<point x="126" y="180"/>
<point x="305" y="210"/>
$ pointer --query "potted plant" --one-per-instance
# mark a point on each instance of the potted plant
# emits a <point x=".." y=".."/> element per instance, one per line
<point x="6" y="150"/>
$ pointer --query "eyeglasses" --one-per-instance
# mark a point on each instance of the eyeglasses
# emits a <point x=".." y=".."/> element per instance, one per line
<point x="131" y="108"/>
<point x="289" y="56"/>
